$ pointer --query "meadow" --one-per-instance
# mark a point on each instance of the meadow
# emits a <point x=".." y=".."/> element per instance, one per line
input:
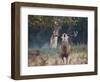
<point x="47" y="56"/>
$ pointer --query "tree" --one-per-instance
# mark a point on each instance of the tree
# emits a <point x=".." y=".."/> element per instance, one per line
<point x="43" y="26"/>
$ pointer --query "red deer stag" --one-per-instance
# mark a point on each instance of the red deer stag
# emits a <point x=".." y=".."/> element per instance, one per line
<point x="66" y="47"/>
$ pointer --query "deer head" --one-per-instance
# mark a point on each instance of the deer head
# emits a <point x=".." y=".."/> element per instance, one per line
<point x="64" y="37"/>
<point x="67" y="37"/>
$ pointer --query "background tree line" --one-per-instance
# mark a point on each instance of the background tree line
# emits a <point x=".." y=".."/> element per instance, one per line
<point x="40" y="29"/>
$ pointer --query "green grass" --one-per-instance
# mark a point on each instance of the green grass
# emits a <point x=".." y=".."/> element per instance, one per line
<point x="46" y="51"/>
<point x="79" y="48"/>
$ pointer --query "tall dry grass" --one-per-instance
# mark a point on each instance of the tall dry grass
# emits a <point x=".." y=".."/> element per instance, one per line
<point x="48" y="56"/>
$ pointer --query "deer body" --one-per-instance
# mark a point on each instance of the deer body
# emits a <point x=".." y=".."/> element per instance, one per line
<point x="65" y="48"/>
<point x="53" y="40"/>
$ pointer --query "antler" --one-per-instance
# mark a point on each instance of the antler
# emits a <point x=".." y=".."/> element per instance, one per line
<point x="75" y="33"/>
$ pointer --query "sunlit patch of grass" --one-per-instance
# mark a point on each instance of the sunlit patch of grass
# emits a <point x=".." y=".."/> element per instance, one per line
<point x="50" y="51"/>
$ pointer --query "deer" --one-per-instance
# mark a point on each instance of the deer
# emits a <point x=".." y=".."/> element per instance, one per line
<point x="53" y="40"/>
<point x="66" y="47"/>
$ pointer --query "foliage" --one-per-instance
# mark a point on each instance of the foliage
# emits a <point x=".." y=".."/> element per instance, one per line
<point x="40" y="29"/>
<point x="48" y="21"/>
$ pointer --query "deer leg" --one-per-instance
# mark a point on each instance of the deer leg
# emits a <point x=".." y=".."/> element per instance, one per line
<point x="69" y="59"/>
<point x="66" y="60"/>
<point x="62" y="58"/>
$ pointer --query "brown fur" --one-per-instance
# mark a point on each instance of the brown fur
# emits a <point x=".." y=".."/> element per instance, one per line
<point x="65" y="50"/>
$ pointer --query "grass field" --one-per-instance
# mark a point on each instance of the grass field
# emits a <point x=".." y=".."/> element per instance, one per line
<point x="47" y="56"/>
